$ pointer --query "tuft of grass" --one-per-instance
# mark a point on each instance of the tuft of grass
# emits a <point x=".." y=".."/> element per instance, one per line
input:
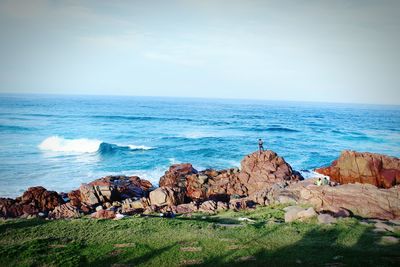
<point x="201" y="240"/>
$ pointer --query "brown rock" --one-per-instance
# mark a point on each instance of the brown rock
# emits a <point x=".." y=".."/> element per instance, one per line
<point x="9" y="208"/>
<point x="186" y="208"/>
<point x="208" y="206"/>
<point x="75" y="198"/>
<point x="265" y="169"/>
<point x="103" y="214"/>
<point x="41" y="199"/>
<point x="176" y="175"/>
<point x="165" y="196"/>
<point x="64" y="211"/>
<point x="133" y="206"/>
<point x="360" y="199"/>
<point x="351" y="167"/>
<point x="113" y="188"/>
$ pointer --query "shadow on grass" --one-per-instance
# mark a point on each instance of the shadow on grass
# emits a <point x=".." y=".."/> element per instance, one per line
<point x="142" y="259"/>
<point x="210" y="219"/>
<point x="21" y="224"/>
<point x="318" y="247"/>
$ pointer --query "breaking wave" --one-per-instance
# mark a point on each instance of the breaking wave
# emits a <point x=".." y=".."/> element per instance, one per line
<point x="84" y="145"/>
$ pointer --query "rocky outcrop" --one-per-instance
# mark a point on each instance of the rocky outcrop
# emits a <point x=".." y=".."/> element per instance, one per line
<point x="359" y="199"/>
<point x="165" y="196"/>
<point x="130" y="206"/>
<point x="176" y="175"/>
<point x="215" y="185"/>
<point x="113" y="188"/>
<point x="41" y="199"/>
<point x="264" y="179"/>
<point x="10" y="208"/>
<point x="367" y="168"/>
<point x="34" y="200"/>
<point x="65" y="211"/>
<point x="104" y="214"/>
<point x="259" y="172"/>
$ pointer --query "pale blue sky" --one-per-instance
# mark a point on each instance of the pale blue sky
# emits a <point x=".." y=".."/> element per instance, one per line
<point x="333" y="50"/>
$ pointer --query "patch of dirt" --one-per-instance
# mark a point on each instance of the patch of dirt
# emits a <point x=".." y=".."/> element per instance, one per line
<point x="191" y="262"/>
<point x="246" y="258"/>
<point x="191" y="249"/>
<point x="124" y="245"/>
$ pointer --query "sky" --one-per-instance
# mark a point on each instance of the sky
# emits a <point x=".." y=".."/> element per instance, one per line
<point x="314" y="50"/>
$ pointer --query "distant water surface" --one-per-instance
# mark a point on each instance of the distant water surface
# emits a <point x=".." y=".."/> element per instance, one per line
<point x="61" y="141"/>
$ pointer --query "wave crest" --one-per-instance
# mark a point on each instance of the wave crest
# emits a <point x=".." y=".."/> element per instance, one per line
<point x="59" y="144"/>
<point x="84" y="145"/>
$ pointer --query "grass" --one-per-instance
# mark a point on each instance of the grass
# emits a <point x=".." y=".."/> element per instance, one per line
<point x="204" y="240"/>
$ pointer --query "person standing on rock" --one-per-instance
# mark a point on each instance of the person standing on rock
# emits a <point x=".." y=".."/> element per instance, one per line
<point x="260" y="145"/>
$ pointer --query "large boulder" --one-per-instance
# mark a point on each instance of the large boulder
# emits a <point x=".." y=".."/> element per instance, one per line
<point x="215" y="185"/>
<point x="165" y="196"/>
<point x="65" y="211"/>
<point x="364" y="200"/>
<point x="10" y="208"/>
<point x="367" y="168"/>
<point x="42" y="199"/>
<point x="34" y="200"/>
<point x="112" y="188"/>
<point x="176" y="175"/>
<point x="260" y="171"/>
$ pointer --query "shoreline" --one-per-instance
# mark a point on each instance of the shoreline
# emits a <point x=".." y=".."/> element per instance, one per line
<point x="263" y="179"/>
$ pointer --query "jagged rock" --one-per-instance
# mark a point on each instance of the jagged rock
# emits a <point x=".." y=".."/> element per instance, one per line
<point x="208" y="206"/>
<point x="259" y="171"/>
<point x="10" y="208"/>
<point x="186" y="208"/>
<point x="64" y="211"/>
<point x="103" y="214"/>
<point x="360" y="199"/>
<point x="131" y="206"/>
<point x="355" y="167"/>
<point x="113" y="188"/>
<point x="34" y="200"/>
<point x="176" y="175"/>
<point x="75" y="198"/>
<point x="41" y="199"/>
<point x="165" y="196"/>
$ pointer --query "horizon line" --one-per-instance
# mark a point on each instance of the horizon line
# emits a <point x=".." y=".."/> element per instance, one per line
<point x="199" y="97"/>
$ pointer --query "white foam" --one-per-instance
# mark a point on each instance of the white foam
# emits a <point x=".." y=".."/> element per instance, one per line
<point x="311" y="174"/>
<point x="140" y="147"/>
<point x="60" y="144"/>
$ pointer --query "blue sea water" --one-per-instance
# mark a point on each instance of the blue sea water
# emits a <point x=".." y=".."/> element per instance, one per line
<point x="61" y="141"/>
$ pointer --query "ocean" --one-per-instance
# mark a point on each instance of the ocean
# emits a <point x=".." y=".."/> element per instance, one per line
<point x="60" y="142"/>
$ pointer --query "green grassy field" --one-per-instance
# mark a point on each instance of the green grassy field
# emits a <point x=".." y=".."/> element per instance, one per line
<point x="217" y="240"/>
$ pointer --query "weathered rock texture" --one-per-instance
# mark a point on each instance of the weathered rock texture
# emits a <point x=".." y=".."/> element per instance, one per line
<point x="259" y="171"/>
<point x="34" y="200"/>
<point x="112" y="188"/>
<point x="367" y="168"/>
<point x="360" y="199"/>
<point x="65" y="211"/>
